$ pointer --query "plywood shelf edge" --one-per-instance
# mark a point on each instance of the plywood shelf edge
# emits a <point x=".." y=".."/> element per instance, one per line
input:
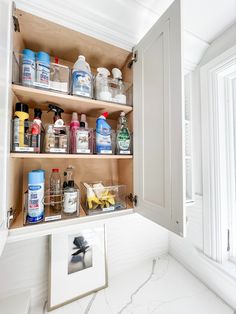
<point x="67" y="156"/>
<point x="38" y="97"/>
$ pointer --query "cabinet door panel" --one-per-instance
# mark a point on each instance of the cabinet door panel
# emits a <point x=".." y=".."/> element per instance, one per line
<point x="5" y="57"/>
<point x="158" y="119"/>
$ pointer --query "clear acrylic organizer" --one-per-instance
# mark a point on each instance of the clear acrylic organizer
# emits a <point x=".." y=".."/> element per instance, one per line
<point x="23" y="140"/>
<point x="55" y="205"/>
<point x="58" y="80"/>
<point x="108" y="89"/>
<point x="82" y="142"/>
<point x="99" y="197"/>
<point x="56" y="139"/>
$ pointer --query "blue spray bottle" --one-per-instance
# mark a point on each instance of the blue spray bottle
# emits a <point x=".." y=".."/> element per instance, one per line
<point x="103" y="135"/>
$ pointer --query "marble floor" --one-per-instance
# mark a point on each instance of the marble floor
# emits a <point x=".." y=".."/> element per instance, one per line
<point x="161" y="286"/>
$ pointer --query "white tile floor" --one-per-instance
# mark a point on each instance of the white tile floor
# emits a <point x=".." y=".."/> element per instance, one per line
<point x="164" y="287"/>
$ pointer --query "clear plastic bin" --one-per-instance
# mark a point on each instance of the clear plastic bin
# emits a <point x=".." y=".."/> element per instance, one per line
<point x="23" y="139"/>
<point x="106" y="151"/>
<point x="56" y="139"/>
<point x="112" y="90"/>
<point x="62" y="205"/>
<point x="58" y="80"/>
<point x="82" y="142"/>
<point x="99" y="197"/>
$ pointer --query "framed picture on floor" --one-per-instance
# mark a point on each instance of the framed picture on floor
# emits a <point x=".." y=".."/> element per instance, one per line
<point x="77" y="264"/>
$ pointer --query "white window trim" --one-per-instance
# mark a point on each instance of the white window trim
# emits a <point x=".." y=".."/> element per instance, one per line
<point x="216" y="79"/>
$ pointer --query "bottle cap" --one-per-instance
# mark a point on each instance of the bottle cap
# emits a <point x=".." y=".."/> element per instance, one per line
<point x="22" y="107"/>
<point x="56" y="60"/>
<point x="55" y="170"/>
<point x="74" y="116"/>
<point x="83" y="117"/>
<point x="37" y="113"/>
<point x="82" y="124"/>
<point x="43" y="56"/>
<point x="122" y="114"/>
<point x="105" y="114"/>
<point x="116" y="73"/>
<point x="28" y="54"/>
<point x="36" y="177"/>
<point x="82" y="58"/>
<point x="103" y="71"/>
<point x="71" y="183"/>
<point x="40" y="170"/>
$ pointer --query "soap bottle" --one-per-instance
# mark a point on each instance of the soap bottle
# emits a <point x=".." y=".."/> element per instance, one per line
<point x="103" y="91"/>
<point x="84" y="119"/>
<point x="74" y="126"/>
<point x="81" y="78"/>
<point x="83" y="139"/>
<point x="119" y="93"/>
<point x="70" y="199"/>
<point x="123" y="137"/>
<point x="103" y="135"/>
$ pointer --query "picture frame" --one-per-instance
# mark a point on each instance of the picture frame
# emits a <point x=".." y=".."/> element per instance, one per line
<point x="78" y="264"/>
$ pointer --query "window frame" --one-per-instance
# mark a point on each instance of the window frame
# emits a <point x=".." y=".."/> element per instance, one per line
<point x="218" y="156"/>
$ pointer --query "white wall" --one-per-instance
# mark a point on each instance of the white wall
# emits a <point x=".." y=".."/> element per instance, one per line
<point x="188" y="251"/>
<point x="131" y="240"/>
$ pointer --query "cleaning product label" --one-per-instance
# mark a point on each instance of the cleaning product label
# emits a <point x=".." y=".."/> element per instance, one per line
<point x="70" y="202"/>
<point x="123" y="141"/>
<point x="82" y="138"/>
<point x="42" y="74"/>
<point x="35" y="211"/>
<point x="28" y="71"/>
<point x="16" y="131"/>
<point x="103" y="141"/>
<point x="82" y="83"/>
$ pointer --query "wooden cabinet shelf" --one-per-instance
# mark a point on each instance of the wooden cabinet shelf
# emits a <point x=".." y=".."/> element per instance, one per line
<point x="38" y="97"/>
<point x="67" y="156"/>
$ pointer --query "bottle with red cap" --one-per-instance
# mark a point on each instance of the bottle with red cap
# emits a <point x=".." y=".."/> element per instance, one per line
<point x="103" y="135"/>
<point x="55" y="191"/>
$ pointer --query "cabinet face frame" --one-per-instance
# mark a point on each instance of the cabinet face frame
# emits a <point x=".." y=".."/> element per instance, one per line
<point x="5" y="99"/>
<point x="166" y="217"/>
<point x="159" y="172"/>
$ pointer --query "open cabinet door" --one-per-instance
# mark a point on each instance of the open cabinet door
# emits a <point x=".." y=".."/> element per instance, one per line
<point x="158" y="123"/>
<point x="5" y="84"/>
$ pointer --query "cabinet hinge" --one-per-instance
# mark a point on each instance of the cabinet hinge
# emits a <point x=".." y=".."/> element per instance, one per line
<point x="228" y="240"/>
<point x="15" y="18"/>
<point x="133" y="59"/>
<point x="10" y="217"/>
<point x="133" y="199"/>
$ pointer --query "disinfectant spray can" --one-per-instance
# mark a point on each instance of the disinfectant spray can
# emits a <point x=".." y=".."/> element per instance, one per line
<point x="35" y="210"/>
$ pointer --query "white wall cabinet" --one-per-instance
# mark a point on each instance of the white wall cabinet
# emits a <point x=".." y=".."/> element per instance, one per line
<point x="155" y="173"/>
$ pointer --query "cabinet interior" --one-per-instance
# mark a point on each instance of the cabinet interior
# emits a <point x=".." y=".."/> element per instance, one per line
<point x="39" y="34"/>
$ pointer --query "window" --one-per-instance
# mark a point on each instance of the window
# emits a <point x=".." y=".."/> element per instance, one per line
<point x="218" y="112"/>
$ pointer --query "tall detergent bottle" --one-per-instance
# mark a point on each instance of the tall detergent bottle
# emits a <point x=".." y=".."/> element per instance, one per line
<point x="103" y="135"/>
<point x="81" y="78"/>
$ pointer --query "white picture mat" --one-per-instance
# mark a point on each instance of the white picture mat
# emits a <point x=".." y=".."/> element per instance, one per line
<point x="65" y="287"/>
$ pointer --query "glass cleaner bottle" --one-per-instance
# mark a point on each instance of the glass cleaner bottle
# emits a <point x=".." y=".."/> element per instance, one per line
<point x="123" y="137"/>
